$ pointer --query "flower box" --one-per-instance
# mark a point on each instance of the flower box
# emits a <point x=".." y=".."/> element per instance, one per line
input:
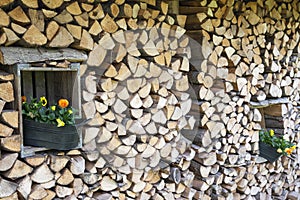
<point x="268" y="152"/>
<point x="49" y="135"/>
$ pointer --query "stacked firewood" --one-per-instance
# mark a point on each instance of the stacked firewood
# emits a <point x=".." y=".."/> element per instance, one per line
<point x="8" y="131"/>
<point x="136" y="99"/>
<point x="255" y="44"/>
<point x="8" y="117"/>
<point x="144" y="86"/>
<point x="140" y="106"/>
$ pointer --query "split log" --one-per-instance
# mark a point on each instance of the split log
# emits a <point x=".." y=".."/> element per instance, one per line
<point x="42" y="174"/>
<point x="62" y="192"/>
<point x="35" y="161"/>
<point x="108" y="184"/>
<point x="5" y="131"/>
<point x="4" y="76"/>
<point x="11" y="118"/>
<point x="66" y="178"/>
<point x="8" y="188"/>
<point x="18" y="29"/>
<point x="77" y="165"/>
<point x="38" y="192"/>
<point x="11" y="143"/>
<point x="53" y="4"/>
<point x="31" y="3"/>
<point x="4" y="21"/>
<point x="19" y="15"/>
<point x="24" y="187"/>
<point x="57" y="41"/>
<point x="7" y="161"/>
<point x="33" y="36"/>
<point x="7" y="92"/>
<point x="11" y="37"/>
<point x="18" y="170"/>
<point x="57" y="163"/>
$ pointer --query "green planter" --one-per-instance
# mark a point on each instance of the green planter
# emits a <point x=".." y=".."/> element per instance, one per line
<point x="268" y="152"/>
<point x="49" y="135"/>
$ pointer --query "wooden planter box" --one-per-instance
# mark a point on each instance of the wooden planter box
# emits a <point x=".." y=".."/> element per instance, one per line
<point x="49" y="135"/>
<point x="268" y="152"/>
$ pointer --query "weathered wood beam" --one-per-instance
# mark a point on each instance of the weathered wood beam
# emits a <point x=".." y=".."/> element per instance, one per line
<point x="269" y="102"/>
<point x="14" y="55"/>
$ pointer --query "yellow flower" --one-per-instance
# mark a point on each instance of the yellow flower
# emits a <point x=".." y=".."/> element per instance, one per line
<point x="271" y="132"/>
<point x="60" y="123"/>
<point x="293" y="147"/>
<point x="70" y="111"/>
<point x="53" y="108"/>
<point x="279" y="150"/>
<point x="43" y="100"/>
<point x="63" y="103"/>
<point x="288" y="151"/>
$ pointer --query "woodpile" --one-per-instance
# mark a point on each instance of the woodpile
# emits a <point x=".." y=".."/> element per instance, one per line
<point x="254" y="45"/>
<point x="136" y="98"/>
<point x="9" y="118"/>
<point x="140" y="105"/>
<point x="159" y="76"/>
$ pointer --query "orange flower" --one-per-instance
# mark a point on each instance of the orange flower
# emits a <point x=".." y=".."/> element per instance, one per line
<point x="288" y="151"/>
<point x="24" y="99"/>
<point x="63" y="103"/>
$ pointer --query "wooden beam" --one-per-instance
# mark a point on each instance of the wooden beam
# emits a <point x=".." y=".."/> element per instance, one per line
<point x="14" y="55"/>
<point x="269" y="102"/>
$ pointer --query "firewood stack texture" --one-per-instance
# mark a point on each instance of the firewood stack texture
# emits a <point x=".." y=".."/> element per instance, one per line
<point x="173" y="93"/>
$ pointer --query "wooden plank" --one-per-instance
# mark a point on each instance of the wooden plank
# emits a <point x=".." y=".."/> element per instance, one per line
<point x="14" y="55"/>
<point x="273" y="110"/>
<point x="51" y="87"/>
<point x="27" y="88"/>
<point x="273" y="122"/>
<point x="188" y="10"/>
<point x="190" y="3"/>
<point x="173" y="7"/>
<point x="268" y="102"/>
<point x="39" y="80"/>
<point x="60" y="85"/>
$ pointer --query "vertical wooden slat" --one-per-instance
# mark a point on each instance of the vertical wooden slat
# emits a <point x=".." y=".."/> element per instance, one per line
<point x="173" y="7"/>
<point x="50" y="87"/>
<point x="67" y="81"/>
<point x="40" y="89"/>
<point x="27" y="88"/>
<point x="76" y="94"/>
<point x="60" y="85"/>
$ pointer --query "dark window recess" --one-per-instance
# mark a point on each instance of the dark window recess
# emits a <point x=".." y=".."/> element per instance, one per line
<point x="53" y="83"/>
<point x="272" y="118"/>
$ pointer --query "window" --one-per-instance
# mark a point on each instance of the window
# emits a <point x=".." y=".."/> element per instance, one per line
<point x="54" y="83"/>
<point x="270" y="114"/>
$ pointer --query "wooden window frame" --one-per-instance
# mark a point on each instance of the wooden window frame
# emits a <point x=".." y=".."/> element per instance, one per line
<point x="18" y="69"/>
<point x="271" y="108"/>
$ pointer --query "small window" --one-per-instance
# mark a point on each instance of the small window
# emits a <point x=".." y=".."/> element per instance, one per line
<point x="272" y="118"/>
<point x="35" y="81"/>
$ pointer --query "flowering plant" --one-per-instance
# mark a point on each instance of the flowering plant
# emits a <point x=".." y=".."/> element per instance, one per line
<point x="59" y="114"/>
<point x="282" y="144"/>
